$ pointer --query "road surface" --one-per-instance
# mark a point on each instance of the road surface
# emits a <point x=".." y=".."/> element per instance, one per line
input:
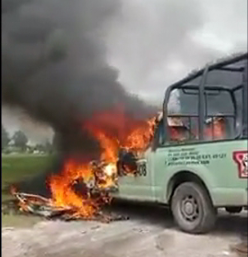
<point x="149" y="232"/>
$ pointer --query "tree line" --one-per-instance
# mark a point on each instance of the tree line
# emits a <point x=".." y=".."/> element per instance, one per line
<point x="20" y="141"/>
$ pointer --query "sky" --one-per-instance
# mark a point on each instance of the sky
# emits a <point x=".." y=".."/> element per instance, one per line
<point x="153" y="43"/>
<point x="160" y="45"/>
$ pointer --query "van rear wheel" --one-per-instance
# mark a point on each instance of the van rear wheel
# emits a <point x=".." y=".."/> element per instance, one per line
<point x="192" y="208"/>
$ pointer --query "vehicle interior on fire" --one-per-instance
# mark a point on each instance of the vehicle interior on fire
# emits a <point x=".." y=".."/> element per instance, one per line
<point x="208" y="105"/>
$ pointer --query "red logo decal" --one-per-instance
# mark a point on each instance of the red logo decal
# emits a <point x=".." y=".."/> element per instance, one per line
<point x="241" y="158"/>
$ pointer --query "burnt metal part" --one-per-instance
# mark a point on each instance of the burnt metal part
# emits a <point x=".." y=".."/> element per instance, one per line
<point x="127" y="162"/>
<point x="80" y="188"/>
<point x="44" y="209"/>
<point x="201" y="106"/>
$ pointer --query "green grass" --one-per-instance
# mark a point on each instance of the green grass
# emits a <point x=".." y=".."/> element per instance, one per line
<point x="14" y="169"/>
<point x="19" y="221"/>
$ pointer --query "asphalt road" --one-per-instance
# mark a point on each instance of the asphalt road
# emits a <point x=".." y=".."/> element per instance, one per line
<point x="149" y="232"/>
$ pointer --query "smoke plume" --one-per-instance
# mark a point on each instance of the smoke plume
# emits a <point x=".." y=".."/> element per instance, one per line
<point x="55" y="55"/>
<point x="54" y="64"/>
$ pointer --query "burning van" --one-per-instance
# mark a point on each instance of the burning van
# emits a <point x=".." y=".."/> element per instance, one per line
<point x="193" y="160"/>
<point x="196" y="161"/>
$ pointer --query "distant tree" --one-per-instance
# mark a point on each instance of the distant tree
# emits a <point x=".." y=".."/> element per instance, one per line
<point x="40" y="147"/>
<point x="20" y="140"/>
<point x="5" y="137"/>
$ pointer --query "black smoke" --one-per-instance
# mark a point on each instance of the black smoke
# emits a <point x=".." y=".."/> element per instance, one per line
<point x="54" y="68"/>
<point x="54" y="65"/>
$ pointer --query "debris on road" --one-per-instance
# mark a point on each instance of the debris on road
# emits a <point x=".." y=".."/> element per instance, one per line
<point x="39" y="205"/>
<point x="241" y="249"/>
<point x="44" y="207"/>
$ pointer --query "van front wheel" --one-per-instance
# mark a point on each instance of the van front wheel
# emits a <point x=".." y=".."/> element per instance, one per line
<point x="192" y="208"/>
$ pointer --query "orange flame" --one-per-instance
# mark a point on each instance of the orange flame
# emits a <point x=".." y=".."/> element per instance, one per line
<point x="139" y="138"/>
<point x="113" y="129"/>
<point x="216" y="129"/>
<point x="62" y="191"/>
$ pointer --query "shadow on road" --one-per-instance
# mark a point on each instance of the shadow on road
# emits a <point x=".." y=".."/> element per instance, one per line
<point x="233" y="224"/>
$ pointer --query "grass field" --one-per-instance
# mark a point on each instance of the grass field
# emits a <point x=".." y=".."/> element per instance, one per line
<point x="16" y="168"/>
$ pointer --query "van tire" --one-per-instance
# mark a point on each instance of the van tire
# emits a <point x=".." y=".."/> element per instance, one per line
<point x="192" y="208"/>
